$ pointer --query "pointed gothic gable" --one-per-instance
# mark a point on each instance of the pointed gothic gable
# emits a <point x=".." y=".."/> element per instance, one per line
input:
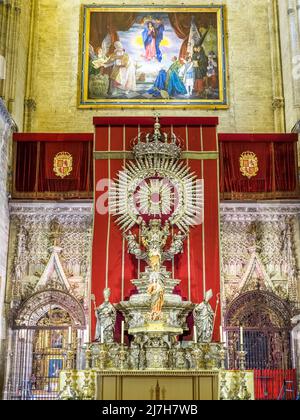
<point x="53" y="275"/>
<point x="256" y="276"/>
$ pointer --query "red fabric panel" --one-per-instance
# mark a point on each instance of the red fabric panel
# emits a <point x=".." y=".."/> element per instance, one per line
<point x="34" y="172"/>
<point x="188" y="267"/>
<point x="232" y="178"/>
<point x="212" y="239"/>
<point x="210" y="139"/>
<point x="78" y="180"/>
<point x="45" y="137"/>
<point x="149" y="121"/>
<point x="258" y="137"/>
<point x="285" y="167"/>
<point x="269" y="383"/>
<point x="52" y="149"/>
<point x="25" y="169"/>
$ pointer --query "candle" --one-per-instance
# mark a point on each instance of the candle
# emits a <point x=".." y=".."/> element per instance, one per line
<point x="224" y="337"/>
<point x="86" y="337"/>
<point x="122" y="332"/>
<point x="195" y="335"/>
<point x="221" y="334"/>
<point x="70" y="335"/>
<point x="241" y="336"/>
<point x="102" y="336"/>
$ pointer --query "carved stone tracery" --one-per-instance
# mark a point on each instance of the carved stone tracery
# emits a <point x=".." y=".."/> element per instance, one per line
<point x="34" y="232"/>
<point x="259" y="248"/>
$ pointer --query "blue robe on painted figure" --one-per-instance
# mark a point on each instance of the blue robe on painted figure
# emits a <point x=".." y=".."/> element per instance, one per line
<point x="159" y="30"/>
<point x="175" y="85"/>
<point x="159" y="84"/>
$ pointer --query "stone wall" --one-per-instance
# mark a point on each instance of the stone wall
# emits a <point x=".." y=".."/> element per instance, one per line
<point x="6" y="128"/>
<point x="15" y="19"/>
<point x="253" y="84"/>
<point x="289" y="13"/>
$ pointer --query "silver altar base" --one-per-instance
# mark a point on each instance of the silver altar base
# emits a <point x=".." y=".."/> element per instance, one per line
<point x="155" y="340"/>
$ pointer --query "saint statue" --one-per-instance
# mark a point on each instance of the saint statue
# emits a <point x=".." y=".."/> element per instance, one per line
<point x="157" y="292"/>
<point x="204" y="319"/>
<point x="106" y="316"/>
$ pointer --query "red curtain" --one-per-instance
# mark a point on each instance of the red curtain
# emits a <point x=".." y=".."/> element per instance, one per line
<point x="110" y="23"/>
<point x="198" y="267"/>
<point x="232" y="178"/>
<point x="34" y="175"/>
<point x="78" y="178"/>
<point x="103" y="24"/>
<point x="277" y="175"/>
<point x="269" y="384"/>
<point x="26" y="167"/>
<point x="285" y="166"/>
<point x="181" y="23"/>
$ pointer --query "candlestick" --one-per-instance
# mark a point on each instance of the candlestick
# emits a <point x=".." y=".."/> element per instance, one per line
<point x="241" y="336"/>
<point x="123" y="332"/>
<point x="195" y="335"/>
<point x="86" y="337"/>
<point x="70" y="335"/>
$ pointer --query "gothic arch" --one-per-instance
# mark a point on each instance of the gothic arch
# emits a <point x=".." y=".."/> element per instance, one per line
<point x="37" y="306"/>
<point x="266" y="319"/>
<point x="259" y="309"/>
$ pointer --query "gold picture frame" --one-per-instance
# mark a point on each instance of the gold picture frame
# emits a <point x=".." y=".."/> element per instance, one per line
<point x="153" y="57"/>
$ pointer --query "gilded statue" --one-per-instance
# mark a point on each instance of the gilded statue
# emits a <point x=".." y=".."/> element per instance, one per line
<point x="154" y="239"/>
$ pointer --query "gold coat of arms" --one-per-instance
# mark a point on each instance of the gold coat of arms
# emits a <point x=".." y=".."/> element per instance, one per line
<point x="249" y="164"/>
<point x="63" y="164"/>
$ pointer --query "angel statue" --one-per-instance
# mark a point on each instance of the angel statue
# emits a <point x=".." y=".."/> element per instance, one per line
<point x="106" y="315"/>
<point x="204" y="319"/>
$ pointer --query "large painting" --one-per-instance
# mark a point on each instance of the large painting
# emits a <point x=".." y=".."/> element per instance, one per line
<point x="153" y="57"/>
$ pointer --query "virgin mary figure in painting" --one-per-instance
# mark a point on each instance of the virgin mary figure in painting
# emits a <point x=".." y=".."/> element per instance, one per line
<point x="149" y="38"/>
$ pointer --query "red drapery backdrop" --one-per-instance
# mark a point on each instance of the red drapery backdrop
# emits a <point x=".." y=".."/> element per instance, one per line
<point x="269" y="384"/>
<point x="198" y="267"/>
<point x="104" y="23"/>
<point x="110" y="23"/>
<point x="277" y="175"/>
<point x="34" y="175"/>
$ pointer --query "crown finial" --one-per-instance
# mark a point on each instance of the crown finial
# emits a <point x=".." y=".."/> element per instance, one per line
<point x="157" y="144"/>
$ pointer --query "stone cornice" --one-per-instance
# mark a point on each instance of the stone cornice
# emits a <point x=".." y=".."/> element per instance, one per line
<point x="232" y="209"/>
<point x="268" y="210"/>
<point x="84" y="208"/>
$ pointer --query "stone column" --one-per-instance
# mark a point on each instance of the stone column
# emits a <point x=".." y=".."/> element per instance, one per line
<point x="295" y="47"/>
<point x="296" y="347"/>
<point x="278" y="96"/>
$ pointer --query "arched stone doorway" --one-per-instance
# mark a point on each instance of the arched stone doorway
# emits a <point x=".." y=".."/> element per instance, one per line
<point x="42" y="330"/>
<point x="266" y="320"/>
